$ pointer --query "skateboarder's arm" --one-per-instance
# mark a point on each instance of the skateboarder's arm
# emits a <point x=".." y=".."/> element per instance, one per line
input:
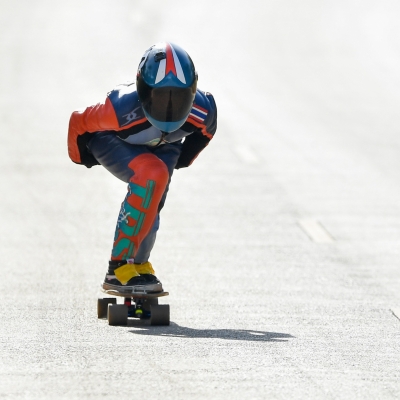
<point x="203" y="129"/>
<point x="82" y="124"/>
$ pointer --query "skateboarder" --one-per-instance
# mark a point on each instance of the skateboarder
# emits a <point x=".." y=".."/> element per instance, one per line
<point x="140" y="134"/>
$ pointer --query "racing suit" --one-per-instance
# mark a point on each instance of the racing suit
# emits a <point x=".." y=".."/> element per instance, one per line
<point x="117" y="135"/>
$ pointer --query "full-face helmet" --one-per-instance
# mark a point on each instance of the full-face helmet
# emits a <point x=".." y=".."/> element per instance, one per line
<point x="166" y="84"/>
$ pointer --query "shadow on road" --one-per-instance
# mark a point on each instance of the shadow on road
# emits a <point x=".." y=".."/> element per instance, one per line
<point x="174" y="330"/>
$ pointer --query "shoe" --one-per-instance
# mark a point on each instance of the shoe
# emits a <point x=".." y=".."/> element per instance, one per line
<point x="147" y="272"/>
<point x="124" y="277"/>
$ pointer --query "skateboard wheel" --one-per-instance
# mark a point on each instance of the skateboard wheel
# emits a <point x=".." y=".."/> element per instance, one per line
<point x="159" y="314"/>
<point x="117" y="314"/>
<point x="102" y="306"/>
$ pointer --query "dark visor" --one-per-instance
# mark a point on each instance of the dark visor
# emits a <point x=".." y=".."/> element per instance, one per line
<point x="168" y="104"/>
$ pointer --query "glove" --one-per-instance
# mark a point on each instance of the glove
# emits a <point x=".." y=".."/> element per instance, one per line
<point x="88" y="160"/>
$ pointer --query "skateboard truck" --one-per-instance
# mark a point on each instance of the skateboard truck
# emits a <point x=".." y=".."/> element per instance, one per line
<point x="136" y="309"/>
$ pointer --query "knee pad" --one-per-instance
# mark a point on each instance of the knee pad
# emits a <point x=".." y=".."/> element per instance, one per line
<point x="149" y="167"/>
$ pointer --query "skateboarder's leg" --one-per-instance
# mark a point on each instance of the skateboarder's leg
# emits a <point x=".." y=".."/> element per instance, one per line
<point x="148" y="177"/>
<point x="169" y="154"/>
<point x="145" y="248"/>
<point x="140" y="207"/>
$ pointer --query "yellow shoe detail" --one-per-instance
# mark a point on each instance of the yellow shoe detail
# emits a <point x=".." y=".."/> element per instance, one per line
<point x="145" y="268"/>
<point x="125" y="273"/>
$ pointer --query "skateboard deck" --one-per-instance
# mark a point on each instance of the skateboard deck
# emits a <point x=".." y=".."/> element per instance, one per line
<point x="137" y="294"/>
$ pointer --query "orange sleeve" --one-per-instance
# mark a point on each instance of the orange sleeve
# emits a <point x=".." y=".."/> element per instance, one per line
<point x="100" y="117"/>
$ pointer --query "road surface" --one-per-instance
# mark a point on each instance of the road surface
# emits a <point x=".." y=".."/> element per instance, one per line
<point x="280" y="245"/>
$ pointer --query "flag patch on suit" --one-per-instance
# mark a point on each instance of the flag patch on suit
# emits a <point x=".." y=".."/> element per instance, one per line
<point x="198" y="113"/>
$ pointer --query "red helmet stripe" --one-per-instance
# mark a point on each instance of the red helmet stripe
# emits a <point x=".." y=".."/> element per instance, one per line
<point x="170" y="65"/>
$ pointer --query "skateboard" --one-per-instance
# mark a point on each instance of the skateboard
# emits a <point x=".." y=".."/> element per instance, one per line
<point x="137" y="304"/>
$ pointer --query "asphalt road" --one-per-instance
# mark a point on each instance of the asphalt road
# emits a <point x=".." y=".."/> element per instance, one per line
<point x="279" y="246"/>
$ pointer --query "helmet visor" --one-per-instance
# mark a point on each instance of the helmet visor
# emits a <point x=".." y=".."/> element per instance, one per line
<point x="168" y="104"/>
